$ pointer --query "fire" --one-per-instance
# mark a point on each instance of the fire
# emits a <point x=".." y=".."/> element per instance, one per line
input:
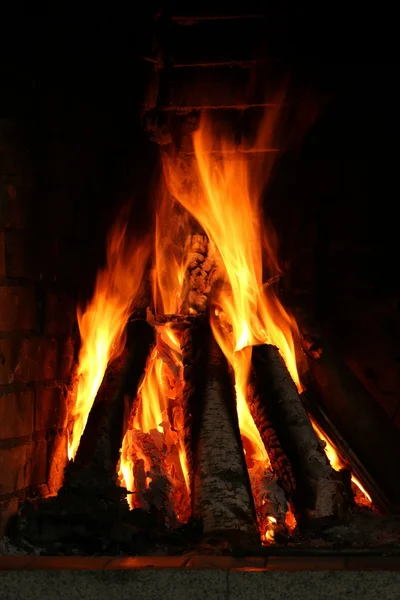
<point x="335" y="459"/>
<point x="102" y="323"/>
<point x="225" y="200"/>
<point x="155" y="432"/>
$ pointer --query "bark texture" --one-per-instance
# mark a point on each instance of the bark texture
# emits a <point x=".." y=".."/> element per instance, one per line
<point x="279" y="461"/>
<point x="200" y="275"/>
<point x="110" y="406"/>
<point x="321" y="492"/>
<point x="221" y="494"/>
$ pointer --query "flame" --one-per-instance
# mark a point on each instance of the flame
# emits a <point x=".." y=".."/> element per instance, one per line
<point x="224" y="197"/>
<point x="170" y="255"/>
<point x="102" y="323"/>
<point x="156" y="430"/>
<point x="335" y="458"/>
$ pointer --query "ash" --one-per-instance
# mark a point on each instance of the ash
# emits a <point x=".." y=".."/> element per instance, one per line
<point x="91" y="518"/>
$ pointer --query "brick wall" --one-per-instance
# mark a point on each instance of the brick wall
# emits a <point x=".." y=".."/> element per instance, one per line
<point x="37" y="320"/>
<point x="72" y="150"/>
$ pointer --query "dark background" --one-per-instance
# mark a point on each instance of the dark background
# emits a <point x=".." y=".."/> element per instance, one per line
<point x="71" y="77"/>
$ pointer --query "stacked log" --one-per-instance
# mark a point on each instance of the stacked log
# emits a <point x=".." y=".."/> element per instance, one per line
<point x="279" y="461"/>
<point x="221" y="488"/>
<point x="362" y="422"/>
<point x="321" y="493"/>
<point x="101" y="442"/>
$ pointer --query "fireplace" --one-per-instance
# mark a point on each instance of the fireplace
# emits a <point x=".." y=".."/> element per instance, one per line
<point x="218" y="368"/>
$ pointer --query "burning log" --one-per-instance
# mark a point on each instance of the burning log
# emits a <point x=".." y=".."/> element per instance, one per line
<point x="361" y="421"/>
<point x="321" y="492"/>
<point x="221" y="489"/>
<point x="105" y="438"/>
<point x="279" y="461"/>
<point x="200" y="274"/>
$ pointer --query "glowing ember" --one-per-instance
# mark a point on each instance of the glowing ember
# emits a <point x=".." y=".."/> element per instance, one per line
<point x="102" y="324"/>
<point x="335" y="459"/>
<point x="151" y="438"/>
<point x="159" y="414"/>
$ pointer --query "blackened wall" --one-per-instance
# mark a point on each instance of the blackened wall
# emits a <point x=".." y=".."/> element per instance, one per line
<point x="72" y="150"/>
<point x="75" y="84"/>
<point x="334" y="192"/>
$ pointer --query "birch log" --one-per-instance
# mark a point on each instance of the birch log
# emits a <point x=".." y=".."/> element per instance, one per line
<point x="221" y="494"/>
<point x="321" y="492"/>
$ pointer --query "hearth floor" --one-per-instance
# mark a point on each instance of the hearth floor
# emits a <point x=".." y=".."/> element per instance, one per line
<point x="199" y="578"/>
<point x="254" y="563"/>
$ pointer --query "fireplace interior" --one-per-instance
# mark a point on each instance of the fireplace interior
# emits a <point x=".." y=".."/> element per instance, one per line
<point x="199" y="295"/>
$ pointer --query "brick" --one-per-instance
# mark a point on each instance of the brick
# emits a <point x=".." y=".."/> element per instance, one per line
<point x="13" y="148"/>
<point x="28" y="359"/>
<point x="30" y="256"/>
<point x="194" y="87"/>
<point x="15" y="467"/>
<point x="66" y="358"/>
<point x="17" y="308"/>
<point x="8" y="509"/>
<point x="16" y="414"/>
<point x="23" y="466"/>
<point x="58" y="458"/>
<point x="38" y="463"/>
<point x="143" y="562"/>
<point x="147" y="74"/>
<point x="228" y="86"/>
<point x="306" y="563"/>
<point x="14" y="204"/>
<point x="252" y="563"/>
<point x="220" y="8"/>
<point x="2" y="254"/>
<point x="51" y="409"/>
<point x="60" y="314"/>
<point x="228" y="41"/>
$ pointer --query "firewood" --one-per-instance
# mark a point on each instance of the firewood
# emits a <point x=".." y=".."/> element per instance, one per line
<point x="320" y="493"/>
<point x="361" y="421"/>
<point x="200" y="275"/>
<point x="101" y="440"/>
<point x="271" y="504"/>
<point x="279" y="461"/>
<point x="221" y="490"/>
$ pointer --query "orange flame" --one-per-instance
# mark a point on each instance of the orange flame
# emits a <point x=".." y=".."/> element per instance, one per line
<point x="335" y="458"/>
<point x="224" y="197"/>
<point x="159" y="414"/>
<point x="102" y="324"/>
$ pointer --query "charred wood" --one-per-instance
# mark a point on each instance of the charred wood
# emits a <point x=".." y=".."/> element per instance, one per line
<point x="200" y="275"/>
<point x="321" y="493"/>
<point x="355" y="413"/>
<point x="350" y="460"/>
<point x="101" y="442"/>
<point x="221" y="487"/>
<point x="279" y="461"/>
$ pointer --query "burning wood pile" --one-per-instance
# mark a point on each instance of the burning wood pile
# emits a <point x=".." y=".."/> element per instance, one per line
<point x="218" y="429"/>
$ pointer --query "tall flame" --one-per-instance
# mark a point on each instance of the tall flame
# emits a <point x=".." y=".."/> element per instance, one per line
<point x="224" y="197"/>
<point x="158" y="421"/>
<point x="102" y="323"/>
